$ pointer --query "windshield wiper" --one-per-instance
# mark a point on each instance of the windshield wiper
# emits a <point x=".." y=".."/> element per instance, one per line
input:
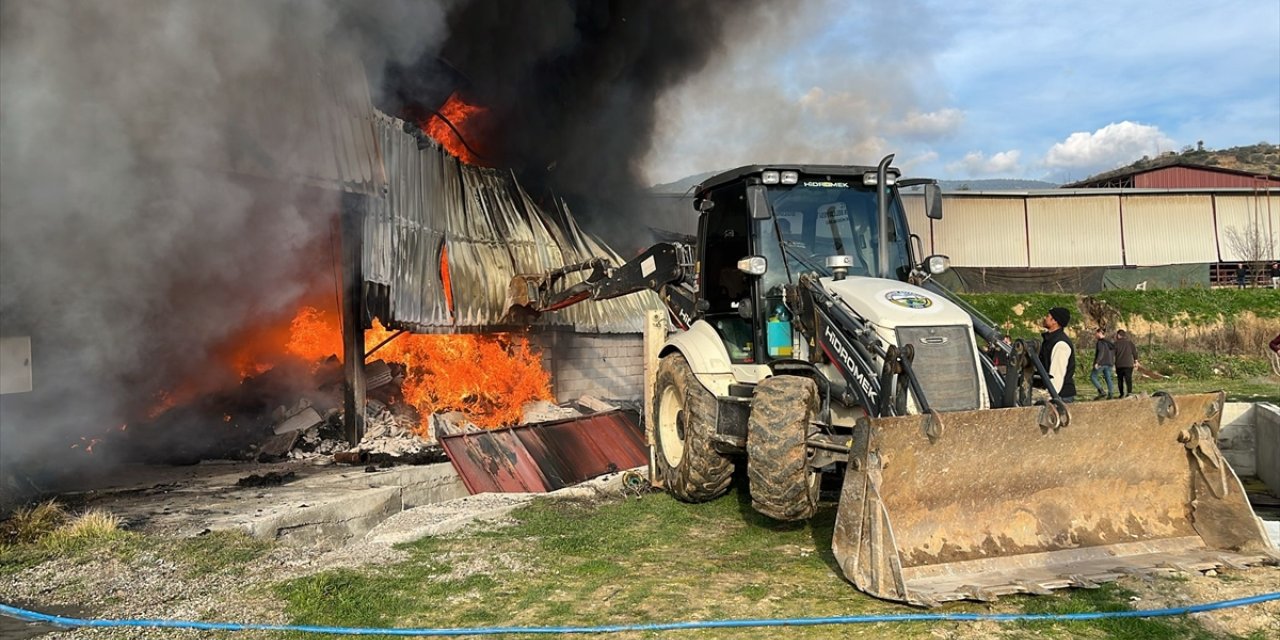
<point x="807" y="261"/>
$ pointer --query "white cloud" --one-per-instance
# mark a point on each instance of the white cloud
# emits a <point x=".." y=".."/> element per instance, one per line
<point x="932" y="124"/>
<point x="976" y="163"/>
<point x="1114" y="145"/>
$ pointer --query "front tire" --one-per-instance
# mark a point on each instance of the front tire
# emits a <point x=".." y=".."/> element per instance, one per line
<point x="684" y="421"/>
<point x="783" y="486"/>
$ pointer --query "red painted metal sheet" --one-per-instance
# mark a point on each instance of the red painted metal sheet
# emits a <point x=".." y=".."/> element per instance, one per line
<point x="546" y="456"/>
<point x="1193" y="177"/>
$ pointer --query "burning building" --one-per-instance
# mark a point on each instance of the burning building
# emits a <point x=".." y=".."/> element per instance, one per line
<point x="182" y="180"/>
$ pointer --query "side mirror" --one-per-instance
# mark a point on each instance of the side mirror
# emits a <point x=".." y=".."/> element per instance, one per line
<point x="746" y="310"/>
<point x="933" y="201"/>
<point x="758" y="202"/>
<point x="703" y="205"/>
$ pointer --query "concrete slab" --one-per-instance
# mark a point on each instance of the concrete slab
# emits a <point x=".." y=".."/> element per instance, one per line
<point x="1267" y="433"/>
<point x="1237" y="437"/>
<point x="316" y="505"/>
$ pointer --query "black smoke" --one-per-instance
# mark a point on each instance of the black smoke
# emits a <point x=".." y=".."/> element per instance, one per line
<point x="571" y="88"/>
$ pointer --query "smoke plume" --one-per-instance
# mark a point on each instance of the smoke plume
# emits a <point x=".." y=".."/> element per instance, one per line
<point x="147" y="148"/>
<point x="132" y="242"/>
<point x="571" y="88"/>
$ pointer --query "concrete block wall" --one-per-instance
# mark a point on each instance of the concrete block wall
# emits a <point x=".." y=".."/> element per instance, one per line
<point x="604" y="365"/>
<point x="1250" y="441"/>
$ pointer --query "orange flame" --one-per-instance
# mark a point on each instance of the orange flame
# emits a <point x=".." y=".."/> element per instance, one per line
<point x="444" y="277"/>
<point x="488" y="378"/>
<point x="462" y="116"/>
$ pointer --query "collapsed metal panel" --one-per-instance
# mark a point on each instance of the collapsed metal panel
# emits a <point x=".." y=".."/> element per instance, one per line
<point x="485" y="227"/>
<point x="542" y="457"/>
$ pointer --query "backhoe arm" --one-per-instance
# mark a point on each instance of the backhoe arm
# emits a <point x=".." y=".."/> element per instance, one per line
<point x="662" y="265"/>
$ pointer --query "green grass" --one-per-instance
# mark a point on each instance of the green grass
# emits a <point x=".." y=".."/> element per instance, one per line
<point x="219" y="551"/>
<point x="1177" y="307"/>
<point x="653" y="559"/>
<point x="1193" y="306"/>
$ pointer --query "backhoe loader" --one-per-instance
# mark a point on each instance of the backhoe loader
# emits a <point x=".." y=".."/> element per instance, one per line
<point x="812" y="341"/>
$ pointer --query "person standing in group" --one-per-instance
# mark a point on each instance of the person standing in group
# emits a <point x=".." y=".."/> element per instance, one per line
<point x="1126" y="357"/>
<point x="1242" y="275"/>
<point x="1275" y="275"/>
<point x="1058" y="354"/>
<point x="1104" y="364"/>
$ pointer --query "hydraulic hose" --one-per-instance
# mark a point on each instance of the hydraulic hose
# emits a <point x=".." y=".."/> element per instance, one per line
<point x="34" y="616"/>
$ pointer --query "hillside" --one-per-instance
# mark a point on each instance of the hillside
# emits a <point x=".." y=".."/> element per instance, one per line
<point x="1261" y="158"/>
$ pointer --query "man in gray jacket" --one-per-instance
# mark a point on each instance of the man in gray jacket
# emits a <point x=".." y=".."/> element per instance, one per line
<point x="1126" y="360"/>
<point x="1104" y="364"/>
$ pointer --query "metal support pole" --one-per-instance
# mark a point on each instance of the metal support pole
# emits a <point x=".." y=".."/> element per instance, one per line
<point x="353" y="320"/>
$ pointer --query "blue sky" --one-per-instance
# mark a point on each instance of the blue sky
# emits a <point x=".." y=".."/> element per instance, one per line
<point x="965" y="90"/>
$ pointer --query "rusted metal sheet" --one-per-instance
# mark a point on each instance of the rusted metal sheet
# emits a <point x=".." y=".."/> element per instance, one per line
<point x="479" y="222"/>
<point x="546" y="456"/>
<point x="998" y="504"/>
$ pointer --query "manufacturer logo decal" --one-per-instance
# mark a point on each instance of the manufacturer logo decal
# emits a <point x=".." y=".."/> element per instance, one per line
<point x="827" y="184"/>
<point x="847" y="361"/>
<point x="909" y="299"/>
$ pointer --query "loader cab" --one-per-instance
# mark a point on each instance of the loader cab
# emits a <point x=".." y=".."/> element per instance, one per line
<point x="794" y="224"/>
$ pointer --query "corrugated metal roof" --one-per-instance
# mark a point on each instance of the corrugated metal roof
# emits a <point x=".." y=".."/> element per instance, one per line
<point x="488" y="229"/>
<point x="547" y="456"/>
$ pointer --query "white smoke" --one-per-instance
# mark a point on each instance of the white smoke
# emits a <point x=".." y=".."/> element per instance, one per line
<point x="781" y="93"/>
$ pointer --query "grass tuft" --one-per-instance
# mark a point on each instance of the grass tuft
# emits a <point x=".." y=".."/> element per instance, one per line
<point x="84" y="532"/>
<point x="31" y="524"/>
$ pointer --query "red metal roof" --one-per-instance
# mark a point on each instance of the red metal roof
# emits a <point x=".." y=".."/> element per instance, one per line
<point x="1181" y="177"/>
<point x="546" y="456"/>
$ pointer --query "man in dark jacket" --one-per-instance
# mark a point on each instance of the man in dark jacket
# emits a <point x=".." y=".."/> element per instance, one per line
<point x="1058" y="354"/>
<point x="1104" y="364"/>
<point x="1126" y="360"/>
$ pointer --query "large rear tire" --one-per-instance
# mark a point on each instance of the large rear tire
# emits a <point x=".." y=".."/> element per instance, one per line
<point x="684" y="421"/>
<point x="783" y="486"/>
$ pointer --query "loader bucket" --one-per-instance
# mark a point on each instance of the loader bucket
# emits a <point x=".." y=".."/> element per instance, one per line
<point x="978" y="504"/>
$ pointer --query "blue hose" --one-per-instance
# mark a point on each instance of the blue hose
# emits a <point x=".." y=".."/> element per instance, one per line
<point x="34" y="616"/>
